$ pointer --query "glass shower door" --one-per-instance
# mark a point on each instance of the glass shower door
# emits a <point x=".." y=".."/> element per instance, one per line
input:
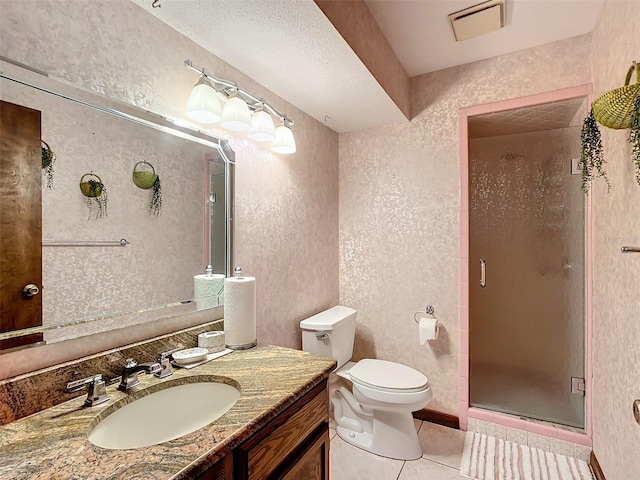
<point x="526" y="227"/>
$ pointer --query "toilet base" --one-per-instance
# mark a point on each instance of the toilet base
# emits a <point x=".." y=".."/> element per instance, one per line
<point x="394" y="436"/>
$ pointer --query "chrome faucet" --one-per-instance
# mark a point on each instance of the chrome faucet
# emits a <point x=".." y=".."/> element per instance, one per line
<point x="131" y="370"/>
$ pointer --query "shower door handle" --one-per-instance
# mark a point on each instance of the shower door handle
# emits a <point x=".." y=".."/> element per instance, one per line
<point x="483" y="273"/>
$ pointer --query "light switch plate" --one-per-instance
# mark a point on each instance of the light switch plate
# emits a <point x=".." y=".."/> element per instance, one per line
<point x="575" y="166"/>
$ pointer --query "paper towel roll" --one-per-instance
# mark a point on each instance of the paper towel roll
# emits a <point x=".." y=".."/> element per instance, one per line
<point x="212" y="341"/>
<point x="240" y="312"/>
<point x="206" y="289"/>
<point x="428" y="329"/>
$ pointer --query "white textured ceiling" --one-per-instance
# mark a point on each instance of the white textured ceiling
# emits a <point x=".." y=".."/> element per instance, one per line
<point x="291" y="48"/>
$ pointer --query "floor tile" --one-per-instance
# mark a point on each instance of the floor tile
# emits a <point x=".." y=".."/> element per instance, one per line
<point x="424" y="469"/>
<point x="351" y="463"/>
<point x="332" y="433"/>
<point x="441" y="444"/>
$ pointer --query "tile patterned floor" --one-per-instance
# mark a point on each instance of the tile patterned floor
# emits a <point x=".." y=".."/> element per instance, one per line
<point x="442" y="453"/>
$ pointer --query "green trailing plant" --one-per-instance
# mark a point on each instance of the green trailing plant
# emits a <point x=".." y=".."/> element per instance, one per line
<point x="96" y="193"/>
<point x="634" y="137"/>
<point x="100" y="200"/>
<point x="156" y="199"/>
<point x="48" y="159"/>
<point x="592" y="155"/>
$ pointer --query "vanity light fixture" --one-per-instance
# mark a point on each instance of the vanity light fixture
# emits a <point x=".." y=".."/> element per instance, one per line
<point x="242" y="111"/>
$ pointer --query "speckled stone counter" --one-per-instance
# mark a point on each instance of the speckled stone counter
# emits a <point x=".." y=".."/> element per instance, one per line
<point x="53" y="444"/>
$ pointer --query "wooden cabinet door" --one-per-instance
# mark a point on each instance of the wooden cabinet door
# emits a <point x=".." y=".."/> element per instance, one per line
<point x="313" y="461"/>
<point x="20" y="221"/>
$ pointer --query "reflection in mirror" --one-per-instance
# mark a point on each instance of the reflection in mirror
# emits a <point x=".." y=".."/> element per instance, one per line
<point x="91" y="281"/>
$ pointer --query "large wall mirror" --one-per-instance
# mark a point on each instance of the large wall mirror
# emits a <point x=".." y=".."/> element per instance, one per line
<point x="76" y="262"/>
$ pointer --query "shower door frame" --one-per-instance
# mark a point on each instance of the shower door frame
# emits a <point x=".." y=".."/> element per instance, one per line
<point x="465" y="412"/>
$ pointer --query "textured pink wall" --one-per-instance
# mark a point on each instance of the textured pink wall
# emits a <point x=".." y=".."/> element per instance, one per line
<point x="286" y="229"/>
<point x="616" y="289"/>
<point x="399" y="199"/>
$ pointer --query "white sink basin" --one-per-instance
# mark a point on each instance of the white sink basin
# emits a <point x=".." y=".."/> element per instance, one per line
<point x="164" y="415"/>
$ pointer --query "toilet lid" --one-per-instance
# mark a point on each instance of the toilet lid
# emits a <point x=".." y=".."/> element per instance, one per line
<point x="386" y="375"/>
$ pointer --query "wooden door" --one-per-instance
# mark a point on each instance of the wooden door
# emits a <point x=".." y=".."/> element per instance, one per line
<point x="20" y="221"/>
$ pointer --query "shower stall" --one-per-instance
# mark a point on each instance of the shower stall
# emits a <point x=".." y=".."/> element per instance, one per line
<point x="527" y="263"/>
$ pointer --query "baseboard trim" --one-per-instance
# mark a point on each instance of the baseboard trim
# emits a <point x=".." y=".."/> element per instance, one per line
<point x="440" y="418"/>
<point x="595" y="467"/>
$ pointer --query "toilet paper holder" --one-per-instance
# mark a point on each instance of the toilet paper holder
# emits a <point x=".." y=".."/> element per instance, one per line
<point x="430" y="330"/>
<point x="429" y="310"/>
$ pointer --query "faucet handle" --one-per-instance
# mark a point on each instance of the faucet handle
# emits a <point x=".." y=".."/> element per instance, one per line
<point x="164" y="359"/>
<point x="96" y="392"/>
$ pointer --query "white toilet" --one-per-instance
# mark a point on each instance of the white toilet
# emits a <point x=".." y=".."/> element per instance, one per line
<point x="375" y="413"/>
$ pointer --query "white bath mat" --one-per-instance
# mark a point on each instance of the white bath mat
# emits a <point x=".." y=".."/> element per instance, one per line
<point x="490" y="458"/>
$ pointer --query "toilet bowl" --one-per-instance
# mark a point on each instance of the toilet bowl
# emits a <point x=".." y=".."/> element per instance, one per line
<point x="372" y="399"/>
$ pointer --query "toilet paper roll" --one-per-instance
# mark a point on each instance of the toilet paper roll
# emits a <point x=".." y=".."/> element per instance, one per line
<point x="206" y="289"/>
<point x="212" y="341"/>
<point x="240" y="312"/>
<point x="428" y="329"/>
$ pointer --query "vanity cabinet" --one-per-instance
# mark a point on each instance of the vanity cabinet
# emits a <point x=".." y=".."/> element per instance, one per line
<point x="292" y="446"/>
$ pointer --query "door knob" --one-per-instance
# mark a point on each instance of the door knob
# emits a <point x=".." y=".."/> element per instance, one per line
<point x="30" y="290"/>
<point x="636" y="411"/>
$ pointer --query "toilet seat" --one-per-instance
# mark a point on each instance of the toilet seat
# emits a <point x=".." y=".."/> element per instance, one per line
<point x="386" y="376"/>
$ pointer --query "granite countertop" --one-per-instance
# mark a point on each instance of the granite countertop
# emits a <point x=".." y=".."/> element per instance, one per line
<point x="53" y="444"/>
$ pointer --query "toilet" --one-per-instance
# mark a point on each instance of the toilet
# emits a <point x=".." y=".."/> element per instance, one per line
<point x="372" y="400"/>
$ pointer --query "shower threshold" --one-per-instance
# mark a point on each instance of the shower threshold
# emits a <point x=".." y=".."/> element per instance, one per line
<point x="500" y="413"/>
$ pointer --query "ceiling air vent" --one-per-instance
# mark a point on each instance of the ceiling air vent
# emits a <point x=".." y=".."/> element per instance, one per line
<point x="477" y="20"/>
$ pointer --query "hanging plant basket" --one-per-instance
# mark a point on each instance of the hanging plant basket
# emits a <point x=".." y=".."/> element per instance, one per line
<point x="48" y="159"/>
<point x="617" y="109"/>
<point x="614" y="109"/>
<point x="92" y="187"/>
<point x="144" y="175"/>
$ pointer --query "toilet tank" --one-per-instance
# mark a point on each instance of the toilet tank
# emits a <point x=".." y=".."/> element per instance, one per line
<point x="330" y="333"/>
